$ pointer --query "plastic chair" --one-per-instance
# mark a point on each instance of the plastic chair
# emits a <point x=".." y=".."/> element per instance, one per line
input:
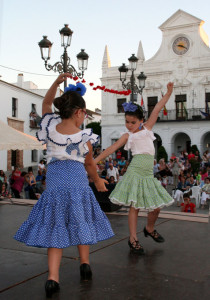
<point x="196" y="194"/>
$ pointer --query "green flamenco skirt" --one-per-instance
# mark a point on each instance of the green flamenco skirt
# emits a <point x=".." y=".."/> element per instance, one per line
<point x="138" y="187"/>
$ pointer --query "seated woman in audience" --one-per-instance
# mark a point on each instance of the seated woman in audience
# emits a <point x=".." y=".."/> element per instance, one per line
<point x="17" y="186"/>
<point x="204" y="174"/>
<point x="162" y="167"/>
<point x="181" y="188"/>
<point x="4" y="193"/>
<point x="169" y="172"/>
<point x="3" y="177"/>
<point x="41" y="166"/>
<point x="205" y="192"/>
<point x="30" y="189"/>
<point x="204" y="160"/>
<point x="187" y="166"/>
<point x="122" y="162"/>
<point x="181" y="174"/>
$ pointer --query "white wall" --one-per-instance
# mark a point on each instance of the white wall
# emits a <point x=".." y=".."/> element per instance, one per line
<point x="25" y="99"/>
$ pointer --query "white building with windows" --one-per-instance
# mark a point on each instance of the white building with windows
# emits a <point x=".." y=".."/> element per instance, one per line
<point x="21" y="108"/>
<point x="183" y="58"/>
<point x="16" y="105"/>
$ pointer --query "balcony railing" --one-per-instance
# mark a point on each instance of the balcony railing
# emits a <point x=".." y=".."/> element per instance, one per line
<point x="192" y="114"/>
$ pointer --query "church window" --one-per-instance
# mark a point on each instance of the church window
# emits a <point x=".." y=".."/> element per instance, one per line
<point x="151" y="102"/>
<point x="181" y="110"/>
<point x="207" y="103"/>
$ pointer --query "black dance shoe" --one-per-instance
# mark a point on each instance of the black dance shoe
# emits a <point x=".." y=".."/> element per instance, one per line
<point x="85" y="272"/>
<point x="155" y="235"/>
<point x="51" y="287"/>
<point x="136" y="247"/>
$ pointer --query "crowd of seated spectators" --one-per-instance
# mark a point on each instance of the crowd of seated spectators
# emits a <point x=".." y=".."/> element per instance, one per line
<point x="180" y="174"/>
<point x="177" y="173"/>
<point x="23" y="184"/>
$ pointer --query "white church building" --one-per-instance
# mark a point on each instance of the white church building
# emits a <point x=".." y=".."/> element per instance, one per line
<point x="188" y="66"/>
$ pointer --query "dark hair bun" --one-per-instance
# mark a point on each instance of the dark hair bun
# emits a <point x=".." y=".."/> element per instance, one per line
<point x="58" y="103"/>
<point x="68" y="103"/>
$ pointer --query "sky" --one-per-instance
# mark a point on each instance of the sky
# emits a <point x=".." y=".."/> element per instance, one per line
<point x="119" y="24"/>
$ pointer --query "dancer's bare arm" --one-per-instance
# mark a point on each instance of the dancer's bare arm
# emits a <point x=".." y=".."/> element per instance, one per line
<point x="154" y="115"/>
<point x="114" y="147"/>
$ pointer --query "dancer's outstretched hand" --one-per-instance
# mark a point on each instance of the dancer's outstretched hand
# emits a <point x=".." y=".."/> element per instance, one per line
<point x="62" y="77"/>
<point x="170" y="86"/>
<point x="100" y="185"/>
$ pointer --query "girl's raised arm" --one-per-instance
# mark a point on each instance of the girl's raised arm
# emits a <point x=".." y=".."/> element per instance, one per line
<point x="154" y="115"/>
<point x="111" y="149"/>
<point x="50" y="95"/>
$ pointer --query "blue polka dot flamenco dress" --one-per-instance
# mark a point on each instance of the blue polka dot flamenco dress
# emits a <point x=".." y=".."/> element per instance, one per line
<point x="67" y="213"/>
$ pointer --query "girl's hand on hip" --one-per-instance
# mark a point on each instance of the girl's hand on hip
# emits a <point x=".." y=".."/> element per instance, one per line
<point x="100" y="185"/>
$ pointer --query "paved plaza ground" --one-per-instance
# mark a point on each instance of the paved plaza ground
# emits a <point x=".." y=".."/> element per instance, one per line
<point x="177" y="269"/>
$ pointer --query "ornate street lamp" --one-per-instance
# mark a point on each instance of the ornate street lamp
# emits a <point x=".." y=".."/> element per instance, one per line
<point x="131" y="85"/>
<point x="64" y="65"/>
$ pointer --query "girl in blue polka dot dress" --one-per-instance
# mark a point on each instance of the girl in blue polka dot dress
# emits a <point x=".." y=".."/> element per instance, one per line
<point x="67" y="212"/>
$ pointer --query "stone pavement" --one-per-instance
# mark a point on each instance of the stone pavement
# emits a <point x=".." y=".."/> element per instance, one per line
<point x="177" y="269"/>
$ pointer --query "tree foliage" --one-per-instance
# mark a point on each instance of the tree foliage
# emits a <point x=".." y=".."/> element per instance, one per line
<point x="161" y="153"/>
<point x="195" y="165"/>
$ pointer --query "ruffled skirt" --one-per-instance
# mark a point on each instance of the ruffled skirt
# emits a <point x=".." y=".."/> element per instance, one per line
<point x="138" y="187"/>
<point x="67" y="213"/>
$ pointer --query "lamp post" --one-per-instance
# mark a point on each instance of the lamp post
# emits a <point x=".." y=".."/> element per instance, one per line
<point x="131" y="85"/>
<point x="64" y="65"/>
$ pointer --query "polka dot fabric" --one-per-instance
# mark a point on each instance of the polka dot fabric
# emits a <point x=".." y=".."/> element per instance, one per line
<point x="67" y="213"/>
<point x="139" y="188"/>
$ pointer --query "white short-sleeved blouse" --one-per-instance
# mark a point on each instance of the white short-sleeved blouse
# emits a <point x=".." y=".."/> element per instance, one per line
<point x="141" y="142"/>
<point x="64" y="146"/>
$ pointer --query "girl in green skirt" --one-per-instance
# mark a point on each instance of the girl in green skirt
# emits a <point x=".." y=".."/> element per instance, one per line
<point x="138" y="187"/>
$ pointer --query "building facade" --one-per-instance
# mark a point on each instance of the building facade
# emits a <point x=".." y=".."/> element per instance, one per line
<point x="183" y="58"/>
<point x="21" y="105"/>
<point x="17" y="104"/>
